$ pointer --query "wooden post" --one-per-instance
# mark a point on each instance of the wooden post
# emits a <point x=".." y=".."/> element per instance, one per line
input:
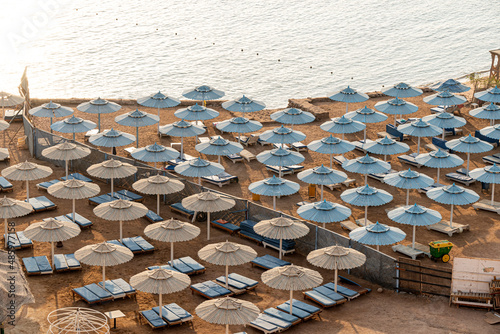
<point x="495" y="67"/>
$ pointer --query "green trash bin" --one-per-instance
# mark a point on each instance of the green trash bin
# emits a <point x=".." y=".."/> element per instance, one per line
<point x="440" y="250"/>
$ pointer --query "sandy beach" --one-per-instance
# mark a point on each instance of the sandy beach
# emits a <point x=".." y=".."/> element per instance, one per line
<point x="385" y="312"/>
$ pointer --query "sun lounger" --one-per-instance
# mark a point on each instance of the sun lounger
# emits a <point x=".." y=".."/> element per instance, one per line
<point x="210" y="290"/>
<point x="152" y="217"/>
<point x="360" y="144"/>
<point x="350" y="284"/>
<point x="169" y="317"/>
<point x="250" y="283"/>
<point x="37" y="206"/>
<point x="401" y="121"/>
<point x="226" y="226"/>
<point x="38" y="265"/>
<point x="236" y="284"/>
<point x="113" y="289"/>
<point x="288" y="246"/>
<point x="165" y="266"/>
<point x="494" y="142"/>
<point x="199" y="123"/>
<point x="299" y="147"/>
<point x="90" y="133"/>
<point x="181" y="267"/>
<point x="269" y="324"/>
<point x="311" y="309"/>
<point x="101" y="199"/>
<point x="323" y="299"/>
<point x="65" y="262"/>
<point x="11" y="115"/>
<point x="12" y="241"/>
<point x="268" y="262"/>
<point x="409" y="159"/>
<point x="141" y="242"/>
<point x="492" y="159"/>
<point x="178" y="208"/>
<point x="248" y="140"/>
<point x="485" y="204"/>
<point x="220" y="179"/>
<point x="299" y="204"/>
<point x="380" y="176"/>
<point x="129" y="194"/>
<point x="285" y="316"/>
<point x="460" y="178"/>
<point x="438" y="109"/>
<point x="153" y="319"/>
<point x="172" y="314"/>
<point x="134" y="244"/>
<point x="77" y="176"/>
<point x="47" y="203"/>
<point x="203" y="140"/>
<point x="5" y="185"/>
<point x="346" y="292"/>
<point x="393" y="133"/>
<point x="187" y="265"/>
<point x="444" y="227"/>
<point x="234" y="158"/>
<point x="249" y="156"/>
<point x="300" y="309"/>
<point x="426" y="189"/>
<point x="283" y="146"/>
<point x="45" y="185"/>
<point x="18" y="240"/>
<point x="276" y="169"/>
<point x="338" y="159"/>
<point x="129" y="151"/>
<point x="80" y="220"/>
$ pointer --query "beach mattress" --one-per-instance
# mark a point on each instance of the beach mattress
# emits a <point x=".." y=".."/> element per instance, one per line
<point x="165" y="266"/>
<point x="210" y="289"/>
<point x="132" y="195"/>
<point x="79" y="219"/>
<point x="179" y="311"/>
<point x="30" y="265"/>
<point x="296" y="311"/>
<point x="102" y="199"/>
<point x="36" y="204"/>
<point x="269" y="262"/>
<point x="275" y="321"/>
<point x="226" y="225"/>
<point x="167" y="315"/>
<point x="12" y="240"/>
<point x="320" y="298"/>
<point x="23" y="240"/>
<point x="329" y="293"/>
<point x="180" y="266"/>
<point x="153" y="318"/>
<point x="76" y="176"/>
<point x="232" y="283"/>
<point x="179" y="207"/>
<point x="341" y="290"/>
<point x="141" y="242"/>
<point x="5" y="184"/>
<point x="127" y="288"/>
<point x="98" y="291"/>
<point x="45" y="185"/>
<point x="60" y="262"/>
<point x="281" y="315"/>
<point x="264" y="325"/>
<point x="43" y="264"/>
<point x="190" y="262"/>
<point x="132" y="245"/>
<point x="72" y="262"/>
<point x="250" y="283"/>
<point x="153" y="217"/>
<point x="113" y="289"/>
<point x="87" y="295"/>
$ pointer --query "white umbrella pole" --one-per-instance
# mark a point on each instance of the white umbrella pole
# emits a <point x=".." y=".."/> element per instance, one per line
<point x="27" y="191"/>
<point x="158" y="119"/>
<point x="346" y="107"/>
<point x="322" y="192"/>
<point x="74" y="135"/>
<point x="324" y="225"/>
<point x="492" y="193"/>
<point x="52" y="253"/>
<point x="274" y="202"/>
<point x="413" y="239"/>
<point x="394" y="120"/>
<point x="158" y="204"/>
<point x="378" y="247"/>
<point x="112" y="188"/>
<point x="279" y="172"/>
<point x="342" y="139"/>
<point x="160" y="302"/>
<point x="366" y="215"/>
<point x="227" y="328"/>
<point x="438" y="175"/>
<point x="407" y="197"/>
<point x="208" y="225"/>
<point x="171" y="253"/>
<point x="136" y="137"/>
<point x="331" y="160"/>
<point x="218" y="159"/>
<point x="366" y="179"/>
<point x="121" y="230"/>
<point x="227" y="277"/>
<point x="6" y="237"/>
<point x="443" y="134"/>
<point x="99" y="122"/>
<point x="364" y="136"/>
<point x="385" y="157"/>
<point x="281" y="247"/>
<point x="468" y="162"/>
<point x="182" y="147"/>
<point x="291" y="301"/>
<point x="66" y="167"/>
<point x="336" y="275"/>
<point x="418" y="145"/>
<point x="199" y="180"/>
<point x="104" y="276"/>
<point x="51" y="131"/>
<point x="451" y="216"/>
<point x="74" y="211"/>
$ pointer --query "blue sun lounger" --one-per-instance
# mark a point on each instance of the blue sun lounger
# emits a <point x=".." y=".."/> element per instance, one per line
<point x="360" y="144"/>
<point x="18" y="240"/>
<point x="346" y="292"/>
<point x="45" y="185"/>
<point x="64" y="262"/>
<point x="165" y="266"/>
<point x="242" y="283"/>
<point x="296" y="311"/>
<point x="220" y="179"/>
<point x="153" y="319"/>
<point x="101" y="199"/>
<point x="80" y="220"/>
<point x="210" y="290"/>
<point x="235" y="158"/>
<point x="325" y="297"/>
<point x="113" y="289"/>
<point x="129" y="194"/>
<point x="77" y="176"/>
<point x="226" y="226"/>
<point x="93" y="293"/>
<point x="268" y="262"/>
<point x="5" y="185"/>
<point x="338" y="159"/>
<point x="276" y="170"/>
<point x="299" y="147"/>
<point x="178" y="208"/>
<point x="152" y="217"/>
<point x="409" y="159"/>
<point x="460" y="178"/>
<point x="187" y="265"/>
<point x="37" y="265"/>
<point x="173" y="314"/>
<point x="494" y="142"/>
<point x="141" y="242"/>
<point x="282" y="315"/>
<point x="47" y="203"/>
<point x="266" y="324"/>
<point x="36" y="204"/>
<point x="250" y="283"/>
<point x="492" y="159"/>
<point x="169" y="317"/>
<point x="130" y="244"/>
<point x="380" y="176"/>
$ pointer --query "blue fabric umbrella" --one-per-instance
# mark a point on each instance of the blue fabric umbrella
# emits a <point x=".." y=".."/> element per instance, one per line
<point x="366" y="165"/>
<point x="490" y="95"/>
<point x="239" y="125"/>
<point x="488" y="174"/>
<point x="51" y="110"/>
<point x="366" y="196"/>
<point x="445" y="120"/>
<point x="99" y="106"/>
<point x="490" y="111"/>
<point x="196" y="113"/>
<point x="73" y="125"/>
<point x="159" y="101"/>
<point x="396" y="107"/>
<point x="453" y="195"/>
<point x="439" y="159"/>
<point x="450" y="85"/>
<point x="324" y="212"/>
<point x="219" y="146"/>
<point x="402" y="90"/>
<point x="181" y="129"/>
<point x="155" y="153"/>
<point x="386" y="146"/>
<point x="349" y="95"/>
<point x="274" y="186"/>
<point x="377" y="235"/>
<point x="137" y="119"/>
<point x="203" y="93"/>
<point x="366" y="115"/>
<point x="112" y="138"/>
<point x="330" y="145"/>
<point x="419" y="129"/>
<point x="469" y="144"/>
<point x="323" y="176"/>
<point x="280" y="157"/>
<point x="198" y="168"/>
<point x="491" y="131"/>
<point x="293" y="116"/>
<point x="282" y="135"/>
<point x="444" y="99"/>
<point x="414" y="215"/>
<point x="342" y="125"/>
<point x="408" y="179"/>
<point x="243" y="104"/>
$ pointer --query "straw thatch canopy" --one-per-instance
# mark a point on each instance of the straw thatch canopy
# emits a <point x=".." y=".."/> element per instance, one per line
<point x="292" y="278"/>
<point x="104" y="254"/>
<point x="120" y="210"/>
<point x="26" y="171"/>
<point x="66" y="151"/>
<point x="160" y="281"/>
<point x="172" y="230"/>
<point x="73" y="189"/>
<point x="12" y="208"/>
<point x="336" y="257"/>
<point x="78" y="320"/>
<point x="227" y="311"/>
<point x="208" y="202"/>
<point x="227" y="254"/>
<point x="52" y="230"/>
<point x="112" y="169"/>
<point x="281" y="228"/>
<point x="158" y="184"/>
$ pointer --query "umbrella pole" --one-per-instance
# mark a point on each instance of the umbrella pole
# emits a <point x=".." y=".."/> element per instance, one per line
<point x="492" y="193"/>
<point x="394" y="120"/>
<point x="112" y="184"/>
<point x="407" y="197"/>
<point x="443" y="134"/>
<point x="279" y="172"/>
<point x="137" y="137"/>
<point x="218" y="159"/>
<point x="366" y="179"/>
<point x="158" y="120"/>
<point x="51" y="131"/>
<point x="99" y="122"/>
<point x="331" y="160"/>
<point x="158" y="204"/>
<point x="322" y="192"/>
<point x="378" y="247"/>
<point x="291" y="301"/>
<point x="27" y="191"/>
<point x="182" y="147"/>
<point x="6" y="237"/>
<point x="66" y="167"/>
<point x="52" y="253"/>
<point x="364" y="136"/>
<point x="74" y="211"/>
<point x="324" y="225"/>
<point x="227" y="277"/>
<point x="160" y="302"/>
<point x="438" y="175"/>
<point x="208" y="225"/>
<point x="171" y="252"/>
<point x="104" y="275"/>
<point x="281" y="247"/>
<point x="418" y="145"/>
<point x="413" y="239"/>
<point x="366" y="215"/>
<point x="121" y="230"/>
<point x="74" y="134"/>
<point x="336" y="275"/>
<point x="385" y="157"/>
<point x="451" y="216"/>
<point x="468" y="162"/>
<point x="199" y="180"/>
<point x="274" y="202"/>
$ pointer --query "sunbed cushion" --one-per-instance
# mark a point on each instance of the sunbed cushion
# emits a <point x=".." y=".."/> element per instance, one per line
<point x="46" y="184"/>
<point x="179" y="207"/>
<point x="30" y="265"/>
<point x="45" y="202"/>
<point x="166" y="314"/>
<point x="304" y="306"/>
<point x="23" y="240"/>
<point x="320" y="298"/>
<point x="36" y="204"/>
<point x="4" y="183"/>
<point x="179" y="311"/>
<point x="72" y="261"/>
<point x="141" y="242"/>
<point x="298" y="312"/>
<point x="79" y="219"/>
<point x="232" y="283"/>
<point x="167" y="267"/>
<point x="190" y="262"/>
<point x="60" y="262"/>
<point x="181" y="266"/>
<point x="275" y="321"/>
<point x="76" y="176"/>
<point x="342" y="290"/>
<point x="102" y="199"/>
<point x="153" y="318"/>
<point x="245" y="280"/>
<point x="152" y="216"/>
<point x="329" y="293"/>
<point x="127" y="288"/>
<point x="281" y="315"/>
<point x="43" y="264"/>
<point x="131" y="244"/>
<point x="270" y="262"/>
<point x="113" y="289"/>
<point x="206" y="290"/>
<point x="134" y="196"/>
<point x="86" y="294"/>
<point x="115" y="242"/>
<point x="227" y="225"/>
<point x="98" y="291"/>
<point x="267" y="326"/>
<point x="459" y="177"/>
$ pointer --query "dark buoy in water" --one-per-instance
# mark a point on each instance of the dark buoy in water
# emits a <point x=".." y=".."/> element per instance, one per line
<point x="137" y="24"/>
<point x="257" y="53"/>
<point x="195" y="38"/>
<point x="331" y="72"/>
<point x="156" y="29"/>
<point x="213" y="43"/>
<point x="310" y="67"/>
<point x="241" y="50"/>
<point x="176" y="34"/>
<point x="279" y="60"/>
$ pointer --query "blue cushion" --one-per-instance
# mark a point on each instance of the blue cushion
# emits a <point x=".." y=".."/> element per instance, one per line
<point x="45" y="185"/>
<point x="112" y="288"/>
<point x="320" y="298"/>
<point x="43" y="264"/>
<point x="205" y="290"/>
<point x="342" y="290"/>
<point x="132" y="195"/>
<point x="304" y="306"/>
<point x="30" y="265"/>
<point x="145" y="246"/>
<point x="152" y="216"/>
<point x="275" y="321"/>
<point x="190" y="262"/>
<point x="117" y="195"/>
<point x="266" y="326"/>
<point x="166" y="314"/>
<point x="232" y="283"/>
<point x="228" y="226"/>
<point x="4" y="183"/>
<point x="275" y="260"/>
<point x="47" y="203"/>
<point x="153" y="318"/>
<point x="131" y="244"/>
<point x="36" y="204"/>
<point x="281" y="315"/>
<point x="179" y="207"/>
<point x="285" y="307"/>
<point x="76" y="176"/>
<point x="181" y="266"/>
<point x="86" y="294"/>
<point x="98" y="291"/>
<point x="79" y="219"/>
<point x="245" y="280"/>
<point x="331" y="294"/>
<point x="115" y="242"/>
<point x="60" y="262"/>
<point x="162" y="267"/>
<point x="72" y="261"/>
<point x="120" y="282"/>
<point x="23" y="240"/>
<point x="222" y="291"/>
<point x="179" y="311"/>
<point x="13" y="240"/>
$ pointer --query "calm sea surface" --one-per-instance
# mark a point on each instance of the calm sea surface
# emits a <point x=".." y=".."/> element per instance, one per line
<point x="270" y="50"/>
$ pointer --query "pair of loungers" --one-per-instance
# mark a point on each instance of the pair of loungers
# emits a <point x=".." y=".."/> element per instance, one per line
<point x="221" y="179"/>
<point x="153" y="217"/>
<point x="79" y="219"/>
<point x="171" y="314"/>
<point x="137" y="245"/>
<point x="268" y="262"/>
<point x="297" y="146"/>
<point x="285" y="170"/>
<point x="42" y="203"/>
<point x="18" y="240"/>
<point x="5" y="186"/>
<point x="121" y="194"/>
<point x="37" y="265"/>
<point x="186" y="265"/>
<point x="237" y="284"/>
<point x="74" y="176"/>
<point x="113" y="289"/>
<point x="225" y="225"/>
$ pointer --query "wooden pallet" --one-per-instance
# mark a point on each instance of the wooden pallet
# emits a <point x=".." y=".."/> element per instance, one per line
<point x="474" y="299"/>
